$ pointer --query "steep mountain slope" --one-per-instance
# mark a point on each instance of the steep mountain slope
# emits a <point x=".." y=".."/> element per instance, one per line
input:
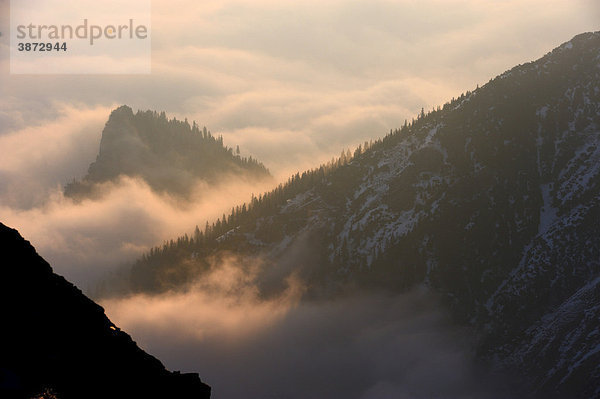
<point x="170" y="155"/>
<point x="58" y="342"/>
<point x="493" y="201"/>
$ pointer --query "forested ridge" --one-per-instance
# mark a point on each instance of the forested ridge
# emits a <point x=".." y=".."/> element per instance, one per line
<point x="491" y="201"/>
<point x="170" y="155"/>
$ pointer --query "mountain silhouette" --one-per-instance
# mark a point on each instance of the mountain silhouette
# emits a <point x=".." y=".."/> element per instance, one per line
<point x="57" y="343"/>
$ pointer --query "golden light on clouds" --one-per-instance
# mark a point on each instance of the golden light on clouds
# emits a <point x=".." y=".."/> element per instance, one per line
<point x="224" y="305"/>
<point x="292" y="83"/>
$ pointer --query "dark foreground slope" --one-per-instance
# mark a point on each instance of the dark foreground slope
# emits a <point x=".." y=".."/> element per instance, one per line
<point x="493" y="201"/>
<point x="171" y="156"/>
<point x="57" y="340"/>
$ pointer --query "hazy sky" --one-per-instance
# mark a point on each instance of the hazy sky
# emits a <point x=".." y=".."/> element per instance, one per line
<point x="287" y="79"/>
<point x="291" y="82"/>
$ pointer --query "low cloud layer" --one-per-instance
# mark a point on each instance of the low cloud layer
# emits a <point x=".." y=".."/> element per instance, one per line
<point x="364" y="347"/>
<point x="39" y="158"/>
<point x="86" y="240"/>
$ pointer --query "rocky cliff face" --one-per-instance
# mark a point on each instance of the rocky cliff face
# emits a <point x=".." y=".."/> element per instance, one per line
<point x="493" y="201"/>
<point x="58" y="342"/>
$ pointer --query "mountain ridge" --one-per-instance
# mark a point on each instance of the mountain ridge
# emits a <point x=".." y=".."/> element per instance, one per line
<point x="59" y="343"/>
<point x="492" y="201"/>
<point x="171" y="156"/>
